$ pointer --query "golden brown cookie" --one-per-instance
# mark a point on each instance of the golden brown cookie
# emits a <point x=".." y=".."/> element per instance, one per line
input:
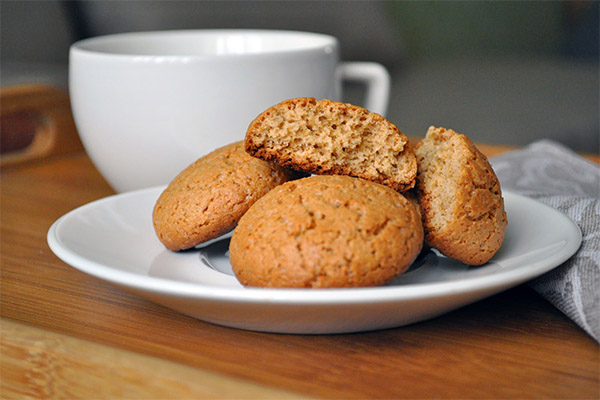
<point x="327" y="137"/>
<point x="460" y="197"/>
<point x="208" y="198"/>
<point x="326" y="231"/>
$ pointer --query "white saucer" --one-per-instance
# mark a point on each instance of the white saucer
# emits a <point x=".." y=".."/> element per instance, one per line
<point x="113" y="239"/>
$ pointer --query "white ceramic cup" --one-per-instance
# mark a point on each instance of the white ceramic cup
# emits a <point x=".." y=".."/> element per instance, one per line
<point x="148" y="104"/>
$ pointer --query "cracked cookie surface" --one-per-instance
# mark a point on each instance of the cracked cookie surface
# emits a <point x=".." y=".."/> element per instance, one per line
<point x="460" y="197"/>
<point x="326" y="231"/>
<point x="208" y="198"/>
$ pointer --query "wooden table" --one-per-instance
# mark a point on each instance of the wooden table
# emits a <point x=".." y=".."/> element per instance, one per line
<point x="68" y="335"/>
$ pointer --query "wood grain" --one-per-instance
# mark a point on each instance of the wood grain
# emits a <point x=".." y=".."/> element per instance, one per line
<point x="512" y="345"/>
<point x="40" y="364"/>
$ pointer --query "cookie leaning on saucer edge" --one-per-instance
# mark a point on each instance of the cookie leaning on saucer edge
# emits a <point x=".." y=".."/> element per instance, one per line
<point x="208" y="198"/>
<point x="460" y="197"/>
<point x="325" y="137"/>
<point x="326" y="231"/>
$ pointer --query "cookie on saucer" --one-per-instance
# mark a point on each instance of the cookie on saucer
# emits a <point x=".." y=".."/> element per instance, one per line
<point x="208" y="198"/>
<point x="328" y="137"/>
<point x="460" y="197"/>
<point x="326" y="231"/>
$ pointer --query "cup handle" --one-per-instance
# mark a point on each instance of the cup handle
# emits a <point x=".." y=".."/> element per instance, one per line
<point x="376" y="79"/>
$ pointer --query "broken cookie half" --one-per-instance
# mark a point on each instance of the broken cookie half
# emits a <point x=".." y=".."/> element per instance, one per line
<point x="333" y="138"/>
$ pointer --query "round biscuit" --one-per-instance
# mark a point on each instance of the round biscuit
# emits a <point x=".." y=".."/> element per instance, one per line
<point x="326" y="231"/>
<point x="208" y="198"/>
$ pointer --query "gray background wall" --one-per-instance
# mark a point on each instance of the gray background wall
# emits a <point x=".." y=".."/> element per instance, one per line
<point x="501" y="72"/>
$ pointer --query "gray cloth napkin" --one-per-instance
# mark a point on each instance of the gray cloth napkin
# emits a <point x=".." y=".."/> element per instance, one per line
<point x="556" y="176"/>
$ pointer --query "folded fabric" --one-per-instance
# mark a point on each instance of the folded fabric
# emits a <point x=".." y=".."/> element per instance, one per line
<point x="556" y="176"/>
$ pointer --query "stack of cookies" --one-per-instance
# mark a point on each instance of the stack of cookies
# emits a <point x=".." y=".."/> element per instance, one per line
<point x="325" y="194"/>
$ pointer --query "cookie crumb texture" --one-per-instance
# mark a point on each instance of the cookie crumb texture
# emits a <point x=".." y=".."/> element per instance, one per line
<point x="325" y="232"/>
<point x="460" y="197"/>
<point x="327" y="137"/>
<point x="208" y="198"/>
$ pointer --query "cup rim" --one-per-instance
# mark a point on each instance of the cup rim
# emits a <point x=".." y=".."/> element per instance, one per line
<point x="97" y="45"/>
